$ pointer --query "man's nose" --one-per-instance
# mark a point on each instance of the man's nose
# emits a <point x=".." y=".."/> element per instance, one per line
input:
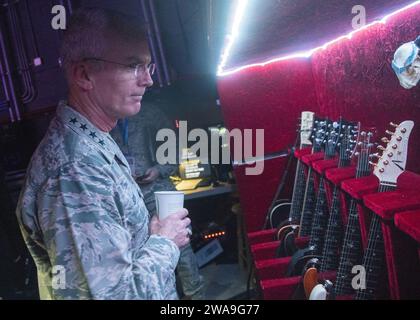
<point x="145" y="80"/>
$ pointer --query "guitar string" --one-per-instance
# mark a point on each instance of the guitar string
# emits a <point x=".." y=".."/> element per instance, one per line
<point x="353" y="229"/>
<point x="352" y="242"/>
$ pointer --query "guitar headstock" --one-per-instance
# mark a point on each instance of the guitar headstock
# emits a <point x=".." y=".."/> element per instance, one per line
<point x="318" y="134"/>
<point x="393" y="160"/>
<point x="306" y="126"/>
<point x="332" y="138"/>
<point x="349" y="135"/>
<point x="365" y="141"/>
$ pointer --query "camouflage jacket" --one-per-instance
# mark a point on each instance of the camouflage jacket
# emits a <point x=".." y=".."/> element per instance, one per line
<point x="81" y="211"/>
<point x="141" y="145"/>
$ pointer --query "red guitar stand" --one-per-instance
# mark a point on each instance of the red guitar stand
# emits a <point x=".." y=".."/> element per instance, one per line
<point x="271" y="272"/>
<point x="401" y="252"/>
<point x="267" y="250"/>
<point x="269" y="235"/>
<point x="409" y="223"/>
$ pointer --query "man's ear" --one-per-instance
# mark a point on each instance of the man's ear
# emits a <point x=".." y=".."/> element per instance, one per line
<point x="81" y="78"/>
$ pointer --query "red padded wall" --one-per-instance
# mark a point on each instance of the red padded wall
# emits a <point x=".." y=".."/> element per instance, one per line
<point x="269" y="98"/>
<point x="352" y="78"/>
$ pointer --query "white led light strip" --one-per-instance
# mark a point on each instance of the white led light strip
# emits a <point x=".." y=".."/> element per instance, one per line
<point x="239" y="13"/>
<point x="303" y="54"/>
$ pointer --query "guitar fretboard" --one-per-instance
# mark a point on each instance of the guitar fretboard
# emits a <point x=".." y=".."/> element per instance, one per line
<point x="320" y="219"/>
<point x="308" y="206"/>
<point x="334" y="235"/>
<point x="374" y="258"/>
<point x="351" y="254"/>
<point x="298" y="194"/>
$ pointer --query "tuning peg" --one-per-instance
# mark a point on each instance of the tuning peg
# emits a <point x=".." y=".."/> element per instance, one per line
<point x="390" y="154"/>
<point x="394" y="146"/>
<point x="372" y="163"/>
<point x="386" y="162"/>
<point x="381" y="170"/>
<point x="399" y="138"/>
<point x="381" y="148"/>
<point x="403" y="130"/>
<point x="374" y="155"/>
<point x="392" y="124"/>
<point x="356" y="154"/>
<point x="385" y="140"/>
<point x="390" y="132"/>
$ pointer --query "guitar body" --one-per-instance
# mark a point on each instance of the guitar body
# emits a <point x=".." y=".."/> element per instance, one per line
<point x="299" y="260"/>
<point x="322" y="291"/>
<point x="287" y="238"/>
<point x="280" y="212"/>
<point x="310" y="280"/>
<point x="318" y="293"/>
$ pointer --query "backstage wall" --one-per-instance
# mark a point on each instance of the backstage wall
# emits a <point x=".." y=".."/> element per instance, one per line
<point x="351" y="78"/>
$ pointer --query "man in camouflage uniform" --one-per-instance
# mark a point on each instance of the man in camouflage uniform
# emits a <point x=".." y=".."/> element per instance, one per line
<point x="136" y="137"/>
<point x="81" y="213"/>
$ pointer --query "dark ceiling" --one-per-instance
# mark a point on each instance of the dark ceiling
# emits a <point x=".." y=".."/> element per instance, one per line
<point x="274" y="28"/>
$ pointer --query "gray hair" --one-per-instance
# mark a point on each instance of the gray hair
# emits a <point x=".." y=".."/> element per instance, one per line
<point x="90" y="30"/>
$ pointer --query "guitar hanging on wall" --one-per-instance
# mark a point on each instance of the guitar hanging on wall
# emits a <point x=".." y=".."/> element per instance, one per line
<point x="286" y="233"/>
<point x="327" y="232"/>
<point x="305" y="132"/>
<point x="351" y="251"/>
<point x="388" y="168"/>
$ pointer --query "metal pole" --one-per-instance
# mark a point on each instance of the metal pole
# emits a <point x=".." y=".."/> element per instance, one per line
<point x="9" y="78"/>
<point x="151" y="42"/>
<point x="159" y="41"/>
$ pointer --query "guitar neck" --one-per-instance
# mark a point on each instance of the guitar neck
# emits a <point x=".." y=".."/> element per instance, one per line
<point x="298" y="193"/>
<point x="362" y="169"/>
<point x="374" y="258"/>
<point x="320" y="219"/>
<point x="308" y="206"/>
<point x="334" y="235"/>
<point x="351" y="252"/>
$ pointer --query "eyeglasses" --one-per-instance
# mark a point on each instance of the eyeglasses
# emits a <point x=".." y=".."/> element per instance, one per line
<point x="137" y="69"/>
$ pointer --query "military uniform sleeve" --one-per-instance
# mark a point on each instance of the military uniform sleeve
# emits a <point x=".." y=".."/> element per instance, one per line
<point x="85" y="233"/>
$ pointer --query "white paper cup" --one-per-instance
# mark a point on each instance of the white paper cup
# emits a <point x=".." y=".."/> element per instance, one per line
<point x="168" y="202"/>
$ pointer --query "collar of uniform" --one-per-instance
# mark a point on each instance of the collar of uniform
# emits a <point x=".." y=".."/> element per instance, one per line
<point x="83" y="127"/>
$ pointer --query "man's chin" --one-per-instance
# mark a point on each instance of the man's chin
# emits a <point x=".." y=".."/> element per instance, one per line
<point x="133" y="109"/>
